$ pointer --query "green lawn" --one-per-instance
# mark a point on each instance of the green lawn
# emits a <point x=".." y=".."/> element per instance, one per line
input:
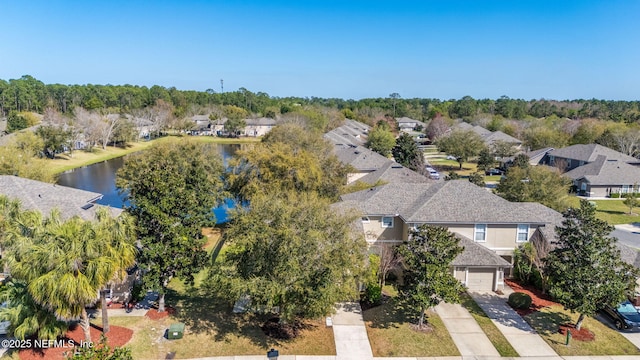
<point x="390" y="333"/>
<point x="488" y="327"/>
<point x="612" y="211"/>
<point x="79" y="158"/>
<point x="607" y="340"/>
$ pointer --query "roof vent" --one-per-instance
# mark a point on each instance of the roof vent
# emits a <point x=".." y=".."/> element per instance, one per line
<point x="87" y="206"/>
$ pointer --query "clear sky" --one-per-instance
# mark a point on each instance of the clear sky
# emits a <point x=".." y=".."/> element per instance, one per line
<point x="559" y="49"/>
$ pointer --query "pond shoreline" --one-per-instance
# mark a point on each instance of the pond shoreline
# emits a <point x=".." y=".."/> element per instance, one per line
<point x="80" y="158"/>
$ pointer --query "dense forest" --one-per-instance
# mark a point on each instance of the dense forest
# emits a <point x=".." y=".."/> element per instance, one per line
<point x="30" y="94"/>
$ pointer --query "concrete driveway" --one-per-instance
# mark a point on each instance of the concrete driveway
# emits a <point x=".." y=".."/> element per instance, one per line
<point x="628" y="234"/>
<point x="465" y="331"/>
<point x="517" y="331"/>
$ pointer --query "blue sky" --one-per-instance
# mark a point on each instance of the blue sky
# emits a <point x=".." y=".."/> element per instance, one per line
<point x="559" y="49"/>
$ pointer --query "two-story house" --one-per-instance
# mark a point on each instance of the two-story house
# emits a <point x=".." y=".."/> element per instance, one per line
<point x="596" y="170"/>
<point x="489" y="226"/>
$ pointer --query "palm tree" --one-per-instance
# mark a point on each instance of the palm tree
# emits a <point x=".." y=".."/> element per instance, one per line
<point x="117" y="236"/>
<point x="26" y="316"/>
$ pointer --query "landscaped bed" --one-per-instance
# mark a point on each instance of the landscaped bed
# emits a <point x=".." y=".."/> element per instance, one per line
<point x="390" y="332"/>
<point x="550" y="321"/>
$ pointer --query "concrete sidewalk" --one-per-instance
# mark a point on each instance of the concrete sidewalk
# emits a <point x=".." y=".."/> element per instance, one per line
<point x="465" y="331"/>
<point x="350" y="334"/>
<point x="517" y="331"/>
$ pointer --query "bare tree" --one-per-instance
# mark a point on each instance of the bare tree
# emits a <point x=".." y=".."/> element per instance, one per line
<point x="109" y="123"/>
<point x="90" y="124"/>
<point x="389" y="260"/>
<point x="437" y="127"/>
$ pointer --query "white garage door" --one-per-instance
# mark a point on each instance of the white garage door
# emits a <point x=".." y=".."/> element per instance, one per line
<point x="480" y="279"/>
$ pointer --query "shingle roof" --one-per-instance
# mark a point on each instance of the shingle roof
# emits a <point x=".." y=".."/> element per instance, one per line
<point x="606" y="171"/>
<point x="351" y="133"/>
<point x="360" y="157"/>
<point x="500" y="136"/>
<point x="477" y="255"/>
<point x="589" y="153"/>
<point x="44" y="197"/>
<point x="455" y="201"/>
<point x="407" y="120"/>
<point x="263" y="121"/>
<point x="629" y="255"/>
<point x="392" y="172"/>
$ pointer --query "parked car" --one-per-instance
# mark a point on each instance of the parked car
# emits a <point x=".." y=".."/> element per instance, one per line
<point x="493" y="172"/>
<point x="451" y="157"/>
<point x="434" y="174"/>
<point x="624" y="316"/>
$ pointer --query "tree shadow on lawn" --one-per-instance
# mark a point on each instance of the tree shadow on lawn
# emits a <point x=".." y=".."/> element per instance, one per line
<point x="391" y="314"/>
<point x="206" y="314"/>
<point x="547" y="323"/>
<point x="613" y="212"/>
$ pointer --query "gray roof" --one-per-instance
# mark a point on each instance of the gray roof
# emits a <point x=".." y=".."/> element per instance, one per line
<point x="500" y="136"/>
<point x="392" y="172"/>
<point x="44" y="197"/>
<point x="407" y="120"/>
<point x="629" y="255"/>
<point x="263" y="121"/>
<point x="455" y="201"/>
<point x="477" y="255"/>
<point x="590" y="152"/>
<point x="200" y="118"/>
<point x="351" y="133"/>
<point x="606" y="171"/>
<point x="487" y="136"/>
<point x="360" y="157"/>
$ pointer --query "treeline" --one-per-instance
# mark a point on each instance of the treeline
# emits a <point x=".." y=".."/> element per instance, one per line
<point x="30" y="94"/>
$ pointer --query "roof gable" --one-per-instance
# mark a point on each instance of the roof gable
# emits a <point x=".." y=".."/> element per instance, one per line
<point x="590" y="152"/>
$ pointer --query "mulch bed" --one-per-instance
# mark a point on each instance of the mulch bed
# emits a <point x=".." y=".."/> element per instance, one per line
<point x="539" y="301"/>
<point x="117" y="336"/>
<point x="273" y="328"/>
<point x="153" y="314"/>
<point x="583" y="335"/>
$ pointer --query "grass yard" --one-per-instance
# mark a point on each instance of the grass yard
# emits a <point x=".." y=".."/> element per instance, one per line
<point x="607" y="340"/>
<point x="612" y="211"/>
<point x="488" y="327"/>
<point x="388" y="327"/>
<point x="80" y="158"/>
<point x="231" y="335"/>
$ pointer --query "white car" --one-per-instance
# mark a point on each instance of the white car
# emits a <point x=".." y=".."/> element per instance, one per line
<point x="4" y="325"/>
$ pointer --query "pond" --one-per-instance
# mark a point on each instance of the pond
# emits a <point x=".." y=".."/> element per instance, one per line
<point x="101" y="178"/>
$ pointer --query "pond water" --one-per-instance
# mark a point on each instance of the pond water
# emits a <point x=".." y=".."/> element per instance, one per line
<point x="101" y="178"/>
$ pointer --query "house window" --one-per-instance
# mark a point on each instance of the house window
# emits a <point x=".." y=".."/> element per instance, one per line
<point x="523" y="233"/>
<point x="626" y="188"/>
<point x="480" y="233"/>
<point x="551" y="160"/>
<point x="365" y="220"/>
<point x="387" y="221"/>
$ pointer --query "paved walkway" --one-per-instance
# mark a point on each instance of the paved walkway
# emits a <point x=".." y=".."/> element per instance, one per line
<point x="350" y="334"/>
<point x="465" y="331"/>
<point x="519" y="334"/>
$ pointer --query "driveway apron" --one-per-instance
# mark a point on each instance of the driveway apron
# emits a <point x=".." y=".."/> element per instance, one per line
<point x="465" y="331"/>
<point x="350" y="334"/>
<point x="517" y="331"/>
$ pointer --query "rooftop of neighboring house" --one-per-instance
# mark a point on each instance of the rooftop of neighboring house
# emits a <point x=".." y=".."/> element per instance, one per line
<point x="606" y="171"/>
<point x="351" y="133"/>
<point x="360" y="157"/>
<point x="589" y="153"/>
<point x="487" y="135"/>
<point x="409" y="121"/>
<point x="45" y="197"/>
<point x="455" y="201"/>
<point x="263" y="121"/>
<point x="392" y="172"/>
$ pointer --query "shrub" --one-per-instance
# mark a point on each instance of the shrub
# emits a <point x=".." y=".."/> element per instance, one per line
<point x="372" y="294"/>
<point x="614" y="196"/>
<point x="519" y="300"/>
